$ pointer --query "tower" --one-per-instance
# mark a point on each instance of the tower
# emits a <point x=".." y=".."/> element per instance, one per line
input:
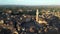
<point x="37" y="13"/>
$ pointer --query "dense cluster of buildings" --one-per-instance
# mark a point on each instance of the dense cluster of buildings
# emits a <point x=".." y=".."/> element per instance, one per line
<point x="47" y="23"/>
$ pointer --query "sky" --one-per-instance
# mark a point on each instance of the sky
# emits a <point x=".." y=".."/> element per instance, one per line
<point x="29" y="2"/>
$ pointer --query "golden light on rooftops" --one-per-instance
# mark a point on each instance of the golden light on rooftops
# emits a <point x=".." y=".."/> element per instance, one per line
<point x="39" y="20"/>
<point x="1" y="21"/>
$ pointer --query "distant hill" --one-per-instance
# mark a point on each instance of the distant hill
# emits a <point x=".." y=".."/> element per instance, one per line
<point x="48" y="6"/>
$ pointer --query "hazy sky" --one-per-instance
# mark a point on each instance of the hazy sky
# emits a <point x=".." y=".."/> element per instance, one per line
<point x="29" y="2"/>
